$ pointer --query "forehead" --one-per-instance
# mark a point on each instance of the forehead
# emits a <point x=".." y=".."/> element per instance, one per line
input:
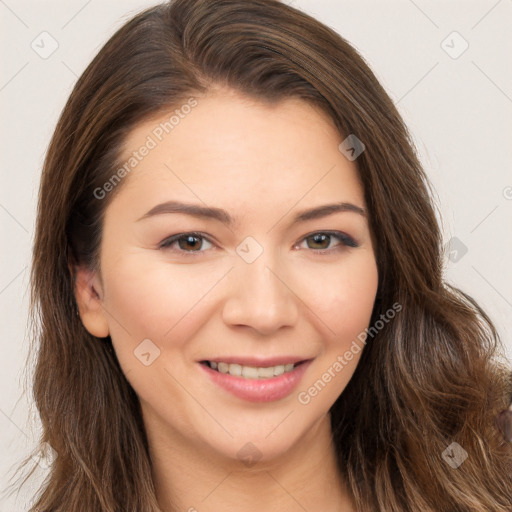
<point x="231" y="147"/>
<point x="228" y="119"/>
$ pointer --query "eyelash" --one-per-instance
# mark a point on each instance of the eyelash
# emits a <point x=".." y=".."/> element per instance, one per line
<point x="345" y="241"/>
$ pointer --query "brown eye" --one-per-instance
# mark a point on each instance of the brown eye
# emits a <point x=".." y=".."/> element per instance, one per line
<point x="190" y="242"/>
<point x="186" y="242"/>
<point x="322" y="241"/>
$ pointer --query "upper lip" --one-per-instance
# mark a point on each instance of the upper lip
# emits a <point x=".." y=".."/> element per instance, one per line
<point x="258" y="362"/>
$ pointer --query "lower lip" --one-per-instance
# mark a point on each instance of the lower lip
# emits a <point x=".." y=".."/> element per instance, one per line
<point x="258" y="390"/>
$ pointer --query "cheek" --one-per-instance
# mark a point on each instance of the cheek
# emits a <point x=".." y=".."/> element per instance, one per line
<point x="342" y="297"/>
<point x="345" y="306"/>
<point x="157" y="301"/>
<point x="168" y="304"/>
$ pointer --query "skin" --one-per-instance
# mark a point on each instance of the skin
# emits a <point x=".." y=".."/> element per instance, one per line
<point x="262" y="164"/>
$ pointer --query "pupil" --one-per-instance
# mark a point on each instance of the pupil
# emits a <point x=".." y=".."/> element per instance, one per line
<point x="190" y="241"/>
<point x="319" y="238"/>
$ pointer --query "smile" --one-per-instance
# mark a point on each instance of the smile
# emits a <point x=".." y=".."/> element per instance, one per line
<point x="251" y="372"/>
<point x="256" y="383"/>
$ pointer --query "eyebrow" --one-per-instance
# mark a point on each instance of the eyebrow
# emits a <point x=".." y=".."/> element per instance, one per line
<point x="223" y="216"/>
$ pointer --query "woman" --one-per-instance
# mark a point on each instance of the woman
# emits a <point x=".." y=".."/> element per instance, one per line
<point x="238" y="264"/>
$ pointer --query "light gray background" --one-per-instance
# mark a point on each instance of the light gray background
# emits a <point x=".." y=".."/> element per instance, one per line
<point x="458" y="109"/>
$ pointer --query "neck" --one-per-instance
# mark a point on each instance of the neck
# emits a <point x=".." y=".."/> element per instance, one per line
<point x="197" y="479"/>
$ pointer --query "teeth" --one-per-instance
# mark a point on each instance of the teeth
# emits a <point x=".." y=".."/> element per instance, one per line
<point x="265" y="373"/>
<point x="251" y="372"/>
<point x="279" y="370"/>
<point x="235" y="369"/>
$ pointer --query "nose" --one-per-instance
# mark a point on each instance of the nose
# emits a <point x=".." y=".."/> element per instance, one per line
<point x="260" y="297"/>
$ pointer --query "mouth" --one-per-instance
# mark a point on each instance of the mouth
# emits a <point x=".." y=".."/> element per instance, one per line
<point x="256" y="380"/>
<point x="250" y="371"/>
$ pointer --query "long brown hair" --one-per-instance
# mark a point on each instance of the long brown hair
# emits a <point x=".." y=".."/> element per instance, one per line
<point x="428" y="378"/>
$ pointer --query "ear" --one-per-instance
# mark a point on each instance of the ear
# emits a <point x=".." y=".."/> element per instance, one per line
<point x="89" y="298"/>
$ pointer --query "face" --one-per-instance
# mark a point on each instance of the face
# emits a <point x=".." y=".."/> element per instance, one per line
<point x="254" y="278"/>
